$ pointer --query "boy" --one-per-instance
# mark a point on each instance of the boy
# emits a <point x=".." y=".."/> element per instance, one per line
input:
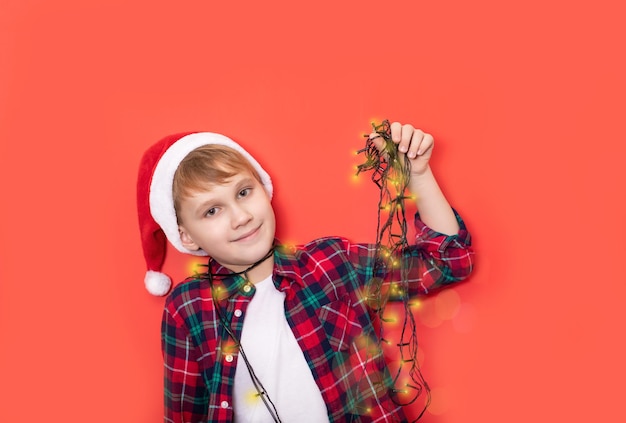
<point x="271" y="333"/>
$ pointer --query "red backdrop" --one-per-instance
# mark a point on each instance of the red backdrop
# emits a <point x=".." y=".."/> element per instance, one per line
<point x="526" y="103"/>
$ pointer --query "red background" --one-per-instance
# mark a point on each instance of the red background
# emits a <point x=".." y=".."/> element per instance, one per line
<point x="526" y="103"/>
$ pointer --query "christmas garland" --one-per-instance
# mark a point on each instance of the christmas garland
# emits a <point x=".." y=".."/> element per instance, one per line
<point x="391" y="174"/>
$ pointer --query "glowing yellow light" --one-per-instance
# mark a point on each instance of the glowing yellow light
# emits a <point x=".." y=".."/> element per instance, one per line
<point x="391" y="317"/>
<point x="195" y="266"/>
<point x="229" y="347"/>
<point x="252" y="397"/>
<point x="373" y="120"/>
<point x="288" y="246"/>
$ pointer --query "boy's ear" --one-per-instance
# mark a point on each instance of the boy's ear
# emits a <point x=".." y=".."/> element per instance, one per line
<point x="186" y="240"/>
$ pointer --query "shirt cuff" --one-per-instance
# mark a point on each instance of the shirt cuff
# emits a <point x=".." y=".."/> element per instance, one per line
<point x="432" y="240"/>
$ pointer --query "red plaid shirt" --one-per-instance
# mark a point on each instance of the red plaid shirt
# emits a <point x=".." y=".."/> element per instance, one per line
<point x="327" y="310"/>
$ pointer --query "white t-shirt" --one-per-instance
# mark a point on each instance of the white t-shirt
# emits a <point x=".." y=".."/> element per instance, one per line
<point x="277" y="361"/>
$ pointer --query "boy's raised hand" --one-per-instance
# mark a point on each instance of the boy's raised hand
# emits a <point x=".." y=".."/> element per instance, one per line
<point x="414" y="144"/>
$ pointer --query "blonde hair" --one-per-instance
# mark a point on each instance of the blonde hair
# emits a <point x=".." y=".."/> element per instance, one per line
<point x="206" y="166"/>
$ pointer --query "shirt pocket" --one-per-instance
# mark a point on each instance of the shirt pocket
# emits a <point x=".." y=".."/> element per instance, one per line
<point x="338" y="319"/>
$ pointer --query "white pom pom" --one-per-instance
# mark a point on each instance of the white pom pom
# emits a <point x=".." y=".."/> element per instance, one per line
<point x="157" y="283"/>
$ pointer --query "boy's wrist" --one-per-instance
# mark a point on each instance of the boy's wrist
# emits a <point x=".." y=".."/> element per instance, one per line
<point x="420" y="179"/>
<point x="421" y="172"/>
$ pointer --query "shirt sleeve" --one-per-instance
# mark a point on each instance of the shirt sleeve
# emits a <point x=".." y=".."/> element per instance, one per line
<point x="185" y="393"/>
<point x="442" y="259"/>
<point x="434" y="261"/>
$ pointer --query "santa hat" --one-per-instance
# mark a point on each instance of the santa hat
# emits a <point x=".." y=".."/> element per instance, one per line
<point x="155" y="204"/>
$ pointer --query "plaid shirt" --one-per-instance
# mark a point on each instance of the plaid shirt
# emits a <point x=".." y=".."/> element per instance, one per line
<point x="328" y="312"/>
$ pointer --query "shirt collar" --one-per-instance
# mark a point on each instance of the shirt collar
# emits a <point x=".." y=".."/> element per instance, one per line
<point x="286" y="271"/>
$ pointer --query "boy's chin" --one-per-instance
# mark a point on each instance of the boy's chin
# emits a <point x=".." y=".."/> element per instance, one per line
<point x="261" y="252"/>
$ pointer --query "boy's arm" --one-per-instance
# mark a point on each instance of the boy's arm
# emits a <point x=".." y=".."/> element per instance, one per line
<point x="434" y="209"/>
<point x="443" y="253"/>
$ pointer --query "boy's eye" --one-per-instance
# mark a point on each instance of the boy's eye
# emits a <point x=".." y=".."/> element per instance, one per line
<point x="211" y="211"/>
<point x="244" y="192"/>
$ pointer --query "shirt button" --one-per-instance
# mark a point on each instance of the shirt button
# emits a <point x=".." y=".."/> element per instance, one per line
<point x="224" y="404"/>
<point x="229" y="358"/>
<point x="247" y="287"/>
<point x="238" y="313"/>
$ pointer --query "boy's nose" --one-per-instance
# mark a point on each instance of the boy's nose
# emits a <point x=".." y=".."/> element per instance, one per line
<point x="240" y="217"/>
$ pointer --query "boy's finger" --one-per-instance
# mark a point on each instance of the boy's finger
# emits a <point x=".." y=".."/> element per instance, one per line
<point x="406" y="138"/>
<point x="396" y="131"/>
<point x="427" y="143"/>
<point x="416" y="144"/>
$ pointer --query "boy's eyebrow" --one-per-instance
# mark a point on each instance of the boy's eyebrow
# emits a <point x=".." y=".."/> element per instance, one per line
<point x="245" y="181"/>
<point x="203" y="206"/>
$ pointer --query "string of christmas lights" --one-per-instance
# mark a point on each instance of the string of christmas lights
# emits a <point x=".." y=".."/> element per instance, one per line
<point x="391" y="174"/>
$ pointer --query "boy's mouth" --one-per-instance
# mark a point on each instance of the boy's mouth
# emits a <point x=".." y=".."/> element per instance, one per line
<point x="248" y="235"/>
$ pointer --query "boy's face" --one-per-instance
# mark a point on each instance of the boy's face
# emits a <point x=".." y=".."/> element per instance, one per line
<point x="232" y="222"/>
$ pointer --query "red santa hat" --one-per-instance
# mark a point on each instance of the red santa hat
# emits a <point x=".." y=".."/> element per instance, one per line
<point x="155" y="204"/>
